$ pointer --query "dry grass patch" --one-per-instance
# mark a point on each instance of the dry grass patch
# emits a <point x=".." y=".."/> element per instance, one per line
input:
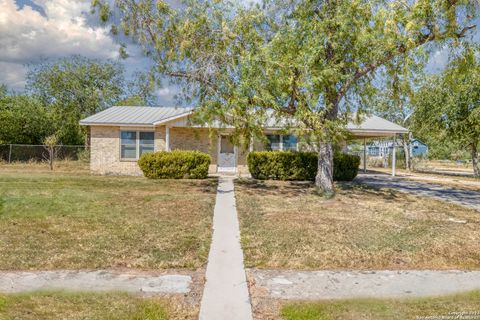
<point x="99" y="306"/>
<point x="447" y="307"/>
<point x="61" y="166"/>
<point x="448" y="165"/>
<point x="65" y="221"/>
<point x="285" y="225"/>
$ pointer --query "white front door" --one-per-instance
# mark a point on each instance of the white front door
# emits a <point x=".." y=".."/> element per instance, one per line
<point x="226" y="155"/>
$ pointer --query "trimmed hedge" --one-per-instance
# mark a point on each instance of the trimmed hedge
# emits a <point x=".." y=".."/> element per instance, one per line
<point x="282" y="165"/>
<point x="345" y="166"/>
<point x="292" y="165"/>
<point x="177" y="164"/>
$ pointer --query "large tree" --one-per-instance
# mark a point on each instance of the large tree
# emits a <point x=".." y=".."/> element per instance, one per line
<point x="139" y="91"/>
<point x="305" y="61"/>
<point x="448" y="105"/>
<point x="24" y="120"/>
<point x="74" y="88"/>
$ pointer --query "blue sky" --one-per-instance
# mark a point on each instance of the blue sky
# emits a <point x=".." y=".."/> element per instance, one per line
<point x="32" y="30"/>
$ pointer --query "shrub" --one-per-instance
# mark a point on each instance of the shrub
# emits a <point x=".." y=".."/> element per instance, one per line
<point x="291" y="165"/>
<point x="345" y="166"/>
<point x="177" y="164"/>
<point x="282" y="165"/>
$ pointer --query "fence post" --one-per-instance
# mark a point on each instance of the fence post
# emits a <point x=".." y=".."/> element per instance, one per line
<point x="10" y="154"/>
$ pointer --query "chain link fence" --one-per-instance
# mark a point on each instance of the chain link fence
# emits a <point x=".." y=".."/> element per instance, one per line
<point x="25" y="152"/>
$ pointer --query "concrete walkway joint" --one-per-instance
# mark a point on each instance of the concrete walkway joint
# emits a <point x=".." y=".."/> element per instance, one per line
<point x="225" y="295"/>
<point x="100" y="280"/>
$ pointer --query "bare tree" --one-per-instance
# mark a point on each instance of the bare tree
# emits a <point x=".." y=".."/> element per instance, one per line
<point x="52" y="147"/>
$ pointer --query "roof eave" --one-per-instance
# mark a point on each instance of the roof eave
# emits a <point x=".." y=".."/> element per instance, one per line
<point x="163" y="121"/>
<point x="378" y="132"/>
<point x="115" y="124"/>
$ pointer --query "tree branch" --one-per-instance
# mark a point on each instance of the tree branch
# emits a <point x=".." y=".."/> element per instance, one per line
<point x="401" y="49"/>
<point x="462" y="33"/>
<point x="192" y="77"/>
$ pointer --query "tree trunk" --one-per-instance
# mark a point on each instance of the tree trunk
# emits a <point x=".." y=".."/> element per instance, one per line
<point x="324" y="178"/>
<point x="475" y="160"/>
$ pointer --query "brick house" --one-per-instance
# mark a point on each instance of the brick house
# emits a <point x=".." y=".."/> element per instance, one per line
<point x="120" y="135"/>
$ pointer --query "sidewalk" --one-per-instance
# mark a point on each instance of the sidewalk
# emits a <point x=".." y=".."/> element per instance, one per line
<point x="98" y="280"/>
<point x="225" y="295"/>
<point x="319" y="285"/>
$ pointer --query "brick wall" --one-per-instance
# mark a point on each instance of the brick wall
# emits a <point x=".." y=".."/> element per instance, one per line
<point x="105" y="148"/>
<point x="105" y="151"/>
<point x="195" y="139"/>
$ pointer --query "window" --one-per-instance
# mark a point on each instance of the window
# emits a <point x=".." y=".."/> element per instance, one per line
<point x="273" y="142"/>
<point x="226" y="146"/>
<point x="146" y="142"/>
<point x="281" y="142"/>
<point x="289" y="142"/>
<point x="135" y="143"/>
<point x="129" y="145"/>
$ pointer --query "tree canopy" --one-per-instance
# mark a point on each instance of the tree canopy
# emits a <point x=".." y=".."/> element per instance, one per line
<point x="24" y="119"/>
<point x="76" y="87"/>
<point x="448" y="105"/>
<point x="308" y="61"/>
<point x="61" y="92"/>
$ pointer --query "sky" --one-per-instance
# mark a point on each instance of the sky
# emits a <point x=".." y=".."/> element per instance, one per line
<point x="33" y="30"/>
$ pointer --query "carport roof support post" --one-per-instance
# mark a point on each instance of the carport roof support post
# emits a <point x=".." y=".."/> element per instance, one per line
<point x="364" y="155"/>
<point x="394" y="156"/>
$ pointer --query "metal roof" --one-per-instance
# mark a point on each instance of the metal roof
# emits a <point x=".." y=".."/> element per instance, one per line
<point x="126" y="115"/>
<point x="368" y="124"/>
<point x="375" y="124"/>
<point x="151" y="116"/>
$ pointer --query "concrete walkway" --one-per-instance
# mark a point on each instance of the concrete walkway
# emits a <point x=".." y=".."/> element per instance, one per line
<point x="467" y="198"/>
<point x="313" y="285"/>
<point x="225" y="295"/>
<point x="100" y="280"/>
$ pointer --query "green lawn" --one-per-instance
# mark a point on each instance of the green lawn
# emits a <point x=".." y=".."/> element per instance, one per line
<point x="376" y="309"/>
<point x="71" y="220"/>
<point x="286" y="225"/>
<point x="76" y="306"/>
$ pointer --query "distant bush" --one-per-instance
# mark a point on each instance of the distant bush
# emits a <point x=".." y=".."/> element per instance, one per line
<point x="177" y="164"/>
<point x="292" y="165"/>
<point x="376" y="162"/>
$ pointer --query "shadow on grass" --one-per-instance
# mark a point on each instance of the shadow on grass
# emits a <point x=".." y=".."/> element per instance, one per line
<point x="298" y="188"/>
<point x="208" y="185"/>
<point x="284" y="188"/>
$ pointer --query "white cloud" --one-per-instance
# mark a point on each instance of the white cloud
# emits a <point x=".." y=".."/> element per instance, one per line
<point x="438" y="60"/>
<point x="26" y="36"/>
<point x="164" y="92"/>
<point x="166" y="95"/>
<point x="13" y="75"/>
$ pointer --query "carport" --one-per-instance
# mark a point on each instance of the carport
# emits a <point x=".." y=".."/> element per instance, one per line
<point x="376" y="127"/>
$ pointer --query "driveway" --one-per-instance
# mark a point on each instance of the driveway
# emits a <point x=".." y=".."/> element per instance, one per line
<point x="467" y="198"/>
